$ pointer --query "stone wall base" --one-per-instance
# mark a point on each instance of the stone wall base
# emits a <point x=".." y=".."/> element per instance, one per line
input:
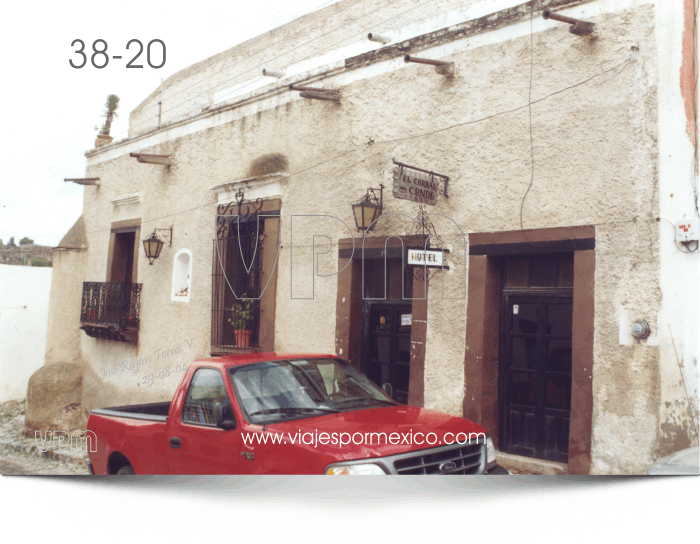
<point x="54" y="399"/>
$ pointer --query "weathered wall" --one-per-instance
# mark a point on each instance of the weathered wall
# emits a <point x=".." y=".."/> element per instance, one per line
<point x="24" y="299"/>
<point x="341" y="26"/>
<point x="593" y="135"/>
<point x="679" y="314"/>
<point x="63" y="336"/>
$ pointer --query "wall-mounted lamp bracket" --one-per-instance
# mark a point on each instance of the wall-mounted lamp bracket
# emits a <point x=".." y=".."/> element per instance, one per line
<point x="153" y="245"/>
<point x="170" y="235"/>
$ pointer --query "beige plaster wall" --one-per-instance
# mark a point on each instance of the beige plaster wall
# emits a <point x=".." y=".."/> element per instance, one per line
<point x="342" y="25"/>
<point x="63" y="332"/>
<point x="595" y="156"/>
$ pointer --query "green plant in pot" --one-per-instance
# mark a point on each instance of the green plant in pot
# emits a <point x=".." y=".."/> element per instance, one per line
<point x="241" y="320"/>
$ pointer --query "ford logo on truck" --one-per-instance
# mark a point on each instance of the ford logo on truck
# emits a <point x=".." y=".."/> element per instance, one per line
<point x="447" y="467"/>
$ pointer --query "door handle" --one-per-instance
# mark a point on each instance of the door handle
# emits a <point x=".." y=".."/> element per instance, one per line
<point x="175" y="442"/>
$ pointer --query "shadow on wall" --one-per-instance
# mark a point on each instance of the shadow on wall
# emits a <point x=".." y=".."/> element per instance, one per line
<point x="268" y="164"/>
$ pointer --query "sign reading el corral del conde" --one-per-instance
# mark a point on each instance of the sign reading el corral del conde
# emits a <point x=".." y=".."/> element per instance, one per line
<point x="417" y="185"/>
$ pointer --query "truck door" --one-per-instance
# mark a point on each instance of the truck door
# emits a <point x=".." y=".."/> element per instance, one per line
<point x="195" y="445"/>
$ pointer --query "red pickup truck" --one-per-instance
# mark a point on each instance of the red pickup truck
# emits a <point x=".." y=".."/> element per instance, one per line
<point x="270" y="413"/>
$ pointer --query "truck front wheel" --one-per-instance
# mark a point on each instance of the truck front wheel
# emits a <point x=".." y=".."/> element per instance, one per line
<point x="127" y="469"/>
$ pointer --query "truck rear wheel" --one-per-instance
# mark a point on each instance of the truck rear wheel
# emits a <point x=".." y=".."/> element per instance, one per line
<point x="127" y="469"/>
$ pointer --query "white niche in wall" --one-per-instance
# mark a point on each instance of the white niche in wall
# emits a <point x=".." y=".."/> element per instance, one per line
<point x="182" y="276"/>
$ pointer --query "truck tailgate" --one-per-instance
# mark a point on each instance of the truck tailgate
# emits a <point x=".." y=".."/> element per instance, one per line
<point x="138" y="437"/>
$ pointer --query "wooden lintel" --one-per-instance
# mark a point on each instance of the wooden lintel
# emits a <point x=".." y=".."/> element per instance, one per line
<point x="154" y="159"/>
<point x="83" y="181"/>
<point x="137" y="155"/>
<point x="313" y="89"/>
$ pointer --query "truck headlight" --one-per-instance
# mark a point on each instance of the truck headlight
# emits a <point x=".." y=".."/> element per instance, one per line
<point x="490" y="453"/>
<point x="362" y="469"/>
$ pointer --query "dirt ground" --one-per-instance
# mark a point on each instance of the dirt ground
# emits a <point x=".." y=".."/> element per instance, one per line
<point x="19" y="454"/>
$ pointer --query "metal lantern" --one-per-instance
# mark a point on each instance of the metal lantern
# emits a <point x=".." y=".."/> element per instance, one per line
<point x="153" y="246"/>
<point x="368" y="209"/>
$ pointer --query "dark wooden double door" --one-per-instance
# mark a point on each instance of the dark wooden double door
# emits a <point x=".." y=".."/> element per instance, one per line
<point x="387" y="345"/>
<point x="535" y="374"/>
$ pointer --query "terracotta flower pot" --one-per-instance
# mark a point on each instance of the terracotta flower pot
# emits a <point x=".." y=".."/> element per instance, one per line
<point x="242" y="338"/>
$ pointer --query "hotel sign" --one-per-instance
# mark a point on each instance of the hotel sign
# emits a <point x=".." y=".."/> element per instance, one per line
<point x="425" y="257"/>
<point x="416" y="185"/>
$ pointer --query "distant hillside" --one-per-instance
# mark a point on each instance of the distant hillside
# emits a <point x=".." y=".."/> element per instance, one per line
<point x="27" y="255"/>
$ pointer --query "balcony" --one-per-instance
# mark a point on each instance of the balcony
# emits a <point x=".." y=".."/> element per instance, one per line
<point x="111" y="311"/>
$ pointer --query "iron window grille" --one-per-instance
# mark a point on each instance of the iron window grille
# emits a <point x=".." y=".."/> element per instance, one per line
<point x="111" y="304"/>
<point x="236" y="282"/>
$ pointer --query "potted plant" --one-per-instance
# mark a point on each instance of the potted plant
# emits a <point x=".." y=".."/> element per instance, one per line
<point x="109" y="113"/>
<point x="241" y="317"/>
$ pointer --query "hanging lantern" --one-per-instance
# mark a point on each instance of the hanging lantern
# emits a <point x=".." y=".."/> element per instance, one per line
<point x="153" y="245"/>
<point x="368" y="209"/>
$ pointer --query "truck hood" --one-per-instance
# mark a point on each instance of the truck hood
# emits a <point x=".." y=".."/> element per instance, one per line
<point x="408" y="421"/>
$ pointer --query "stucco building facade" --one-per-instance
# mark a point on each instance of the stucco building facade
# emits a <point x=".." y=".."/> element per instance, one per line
<point x="569" y="158"/>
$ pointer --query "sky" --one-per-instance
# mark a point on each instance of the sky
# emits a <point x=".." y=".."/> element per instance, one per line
<point x="50" y="109"/>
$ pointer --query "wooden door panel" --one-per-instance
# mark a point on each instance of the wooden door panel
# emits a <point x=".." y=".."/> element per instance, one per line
<point x="535" y="373"/>
<point x="388" y="347"/>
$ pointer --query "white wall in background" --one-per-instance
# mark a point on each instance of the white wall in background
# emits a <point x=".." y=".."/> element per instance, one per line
<point x="24" y="314"/>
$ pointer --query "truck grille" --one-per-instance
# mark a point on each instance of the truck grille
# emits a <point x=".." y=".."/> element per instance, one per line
<point x="466" y="459"/>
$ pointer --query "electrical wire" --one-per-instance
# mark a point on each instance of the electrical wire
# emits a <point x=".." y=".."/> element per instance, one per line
<point x="529" y="108"/>
<point x="254" y="39"/>
<point x="390" y="140"/>
<point x="149" y="119"/>
<point x="253" y="81"/>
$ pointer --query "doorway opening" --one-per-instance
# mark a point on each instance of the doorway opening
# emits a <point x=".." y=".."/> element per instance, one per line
<point x="535" y="361"/>
<point x="386" y="324"/>
<point x="123" y="257"/>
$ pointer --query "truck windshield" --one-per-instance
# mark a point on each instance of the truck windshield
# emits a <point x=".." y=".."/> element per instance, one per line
<point x="294" y="389"/>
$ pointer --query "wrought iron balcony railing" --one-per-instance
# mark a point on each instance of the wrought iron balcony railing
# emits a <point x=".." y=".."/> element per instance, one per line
<point x="111" y="310"/>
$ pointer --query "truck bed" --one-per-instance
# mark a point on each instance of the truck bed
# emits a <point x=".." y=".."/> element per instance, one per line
<point x="134" y="434"/>
<point x="157" y="411"/>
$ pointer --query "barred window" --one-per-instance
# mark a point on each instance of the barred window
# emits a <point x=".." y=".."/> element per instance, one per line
<point x="236" y="283"/>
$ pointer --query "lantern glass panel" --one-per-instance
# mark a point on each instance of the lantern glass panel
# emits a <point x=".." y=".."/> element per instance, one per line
<point x="365" y="212"/>
<point x="370" y="212"/>
<point x="152" y="247"/>
<point x="357" y="212"/>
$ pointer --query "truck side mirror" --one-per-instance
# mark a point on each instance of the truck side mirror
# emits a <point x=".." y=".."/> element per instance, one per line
<point x="219" y="418"/>
<point x="388" y="389"/>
